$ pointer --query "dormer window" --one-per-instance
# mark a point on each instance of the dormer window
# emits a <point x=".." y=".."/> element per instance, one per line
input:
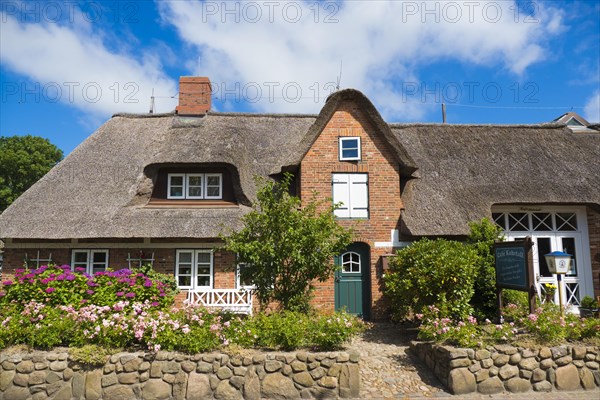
<point x="195" y="186"/>
<point x="349" y="148"/>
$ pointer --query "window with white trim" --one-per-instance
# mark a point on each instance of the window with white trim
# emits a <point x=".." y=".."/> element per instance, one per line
<point x="351" y="190"/>
<point x="92" y="260"/>
<point x="194" y="269"/>
<point x="195" y="186"/>
<point x="351" y="262"/>
<point x="349" y="148"/>
<point x="239" y="282"/>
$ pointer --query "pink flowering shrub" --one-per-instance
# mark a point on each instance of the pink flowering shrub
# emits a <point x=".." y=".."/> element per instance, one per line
<point x="545" y="326"/>
<point x="59" y="285"/>
<point x="548" y="326"/>
<point x="435" y="326"/>
<point x="329" y="331"/>
<point x="192" y="329"/>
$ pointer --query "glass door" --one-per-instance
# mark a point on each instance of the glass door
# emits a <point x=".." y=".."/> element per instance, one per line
<point x="558" y="229"/>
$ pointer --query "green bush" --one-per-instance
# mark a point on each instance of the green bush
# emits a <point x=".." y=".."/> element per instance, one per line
<point x="35" y="325"/>
<point x="482" y="236"/>
<point x="287" y="245"/>
<point x="432" y="272"/>
<point x="284" y="330"/>
<point x="515" y="297"/>
<point x="330" y="331"/>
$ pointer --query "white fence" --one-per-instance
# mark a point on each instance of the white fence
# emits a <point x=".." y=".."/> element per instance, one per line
<point x="234" y="300"/>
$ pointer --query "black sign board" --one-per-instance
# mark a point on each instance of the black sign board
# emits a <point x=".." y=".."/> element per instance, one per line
<point x="514" y="268"/>
<point x="511" y="266"/>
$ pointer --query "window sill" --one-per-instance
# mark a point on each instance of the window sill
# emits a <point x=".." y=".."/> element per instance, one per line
<point x="166" y="203"/>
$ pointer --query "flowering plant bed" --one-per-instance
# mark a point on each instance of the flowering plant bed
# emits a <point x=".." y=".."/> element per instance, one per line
<point x="545" y="326"/>
<point x="126" y="309"/>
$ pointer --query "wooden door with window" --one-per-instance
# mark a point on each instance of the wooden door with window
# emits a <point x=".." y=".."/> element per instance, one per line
<point x="352" y="280"/>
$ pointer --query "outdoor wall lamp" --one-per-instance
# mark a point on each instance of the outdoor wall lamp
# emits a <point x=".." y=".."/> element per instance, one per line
<point x="558" y="263"/>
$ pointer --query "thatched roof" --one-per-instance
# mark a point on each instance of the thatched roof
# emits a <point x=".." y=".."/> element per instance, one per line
<point x="465" y="169"/>
<point x="101" y="189"/>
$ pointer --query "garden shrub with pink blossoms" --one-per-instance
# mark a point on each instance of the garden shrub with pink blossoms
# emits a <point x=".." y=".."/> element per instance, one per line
<point x="53" y="306"/>
<point x="59" y="285"/>
<point x="544" y="326"/>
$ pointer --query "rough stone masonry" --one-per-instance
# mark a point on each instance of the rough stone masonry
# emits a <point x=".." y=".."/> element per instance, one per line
<point x="164" y="375"/>
<point x="514" y="369"/>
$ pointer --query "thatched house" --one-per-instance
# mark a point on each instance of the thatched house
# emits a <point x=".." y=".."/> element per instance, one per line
<point x="160" y="188"/>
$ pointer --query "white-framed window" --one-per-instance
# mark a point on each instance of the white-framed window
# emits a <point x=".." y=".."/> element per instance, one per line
<point x="194" y="269"/>
<point x="195" y="186"/>
<point x="92" y="260"/>
<point x="239" y="282"/>
<point x="351" y="262"/>
<point x="349" y="148"/>
<point x="214" y="186"/>
<point x="351" y="190"/>
<point x="176" y="186"/>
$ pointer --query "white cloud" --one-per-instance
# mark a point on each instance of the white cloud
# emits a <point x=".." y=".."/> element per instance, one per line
<point x="73" y="65"/>
<point x="381" y="43"/>
<point x="592" y="108"/>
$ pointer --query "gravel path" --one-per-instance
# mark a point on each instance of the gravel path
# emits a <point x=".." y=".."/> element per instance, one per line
<point x="388" y="370"/>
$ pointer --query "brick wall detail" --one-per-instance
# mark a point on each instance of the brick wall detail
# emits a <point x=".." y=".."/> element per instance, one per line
<point x="379" y="161"/>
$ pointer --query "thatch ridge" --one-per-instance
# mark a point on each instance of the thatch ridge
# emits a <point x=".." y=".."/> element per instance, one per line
<point x="143" y="115"/>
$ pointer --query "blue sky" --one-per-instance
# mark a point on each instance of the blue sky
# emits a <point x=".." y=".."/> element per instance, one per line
<point x="66" y="67"/>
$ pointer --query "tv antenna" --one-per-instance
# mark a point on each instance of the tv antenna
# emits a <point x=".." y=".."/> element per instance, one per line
<point x="339" y="78"/>
<point x="152" y="102"/>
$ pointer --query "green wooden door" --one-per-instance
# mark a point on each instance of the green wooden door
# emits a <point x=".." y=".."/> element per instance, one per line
<point x="352" y="280"/>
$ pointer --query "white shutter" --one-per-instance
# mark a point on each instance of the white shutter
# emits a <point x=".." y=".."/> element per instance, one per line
<point x="341" y="194"/>
<point x="359" y="196"/>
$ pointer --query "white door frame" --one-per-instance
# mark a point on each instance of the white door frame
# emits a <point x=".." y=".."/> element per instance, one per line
<point x="582" y="247"/>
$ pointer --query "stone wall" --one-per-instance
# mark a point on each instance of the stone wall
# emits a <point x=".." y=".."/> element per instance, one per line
<point x="507" y="368"/>
<point x="125" y="376"/>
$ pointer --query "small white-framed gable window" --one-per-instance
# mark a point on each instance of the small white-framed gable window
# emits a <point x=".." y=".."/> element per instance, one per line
<point x="91" y="260"/>
<point x="195" y="186"/>
<point x="349" y="148"/>
<point x="194" y="269"/>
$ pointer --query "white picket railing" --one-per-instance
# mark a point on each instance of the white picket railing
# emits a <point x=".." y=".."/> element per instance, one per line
<point x="234" y="300"/>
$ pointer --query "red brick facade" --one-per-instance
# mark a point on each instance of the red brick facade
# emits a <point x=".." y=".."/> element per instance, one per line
<point x="380" y="163"/>
<point x="593" y="220"/>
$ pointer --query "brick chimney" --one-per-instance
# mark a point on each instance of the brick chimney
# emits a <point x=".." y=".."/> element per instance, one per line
<point x="194" y="95"/>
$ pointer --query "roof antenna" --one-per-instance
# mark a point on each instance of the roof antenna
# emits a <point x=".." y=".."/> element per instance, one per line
<point x="152" y="102"/>
<point x="339" y="78"/>
<point x="444" y="113"/>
